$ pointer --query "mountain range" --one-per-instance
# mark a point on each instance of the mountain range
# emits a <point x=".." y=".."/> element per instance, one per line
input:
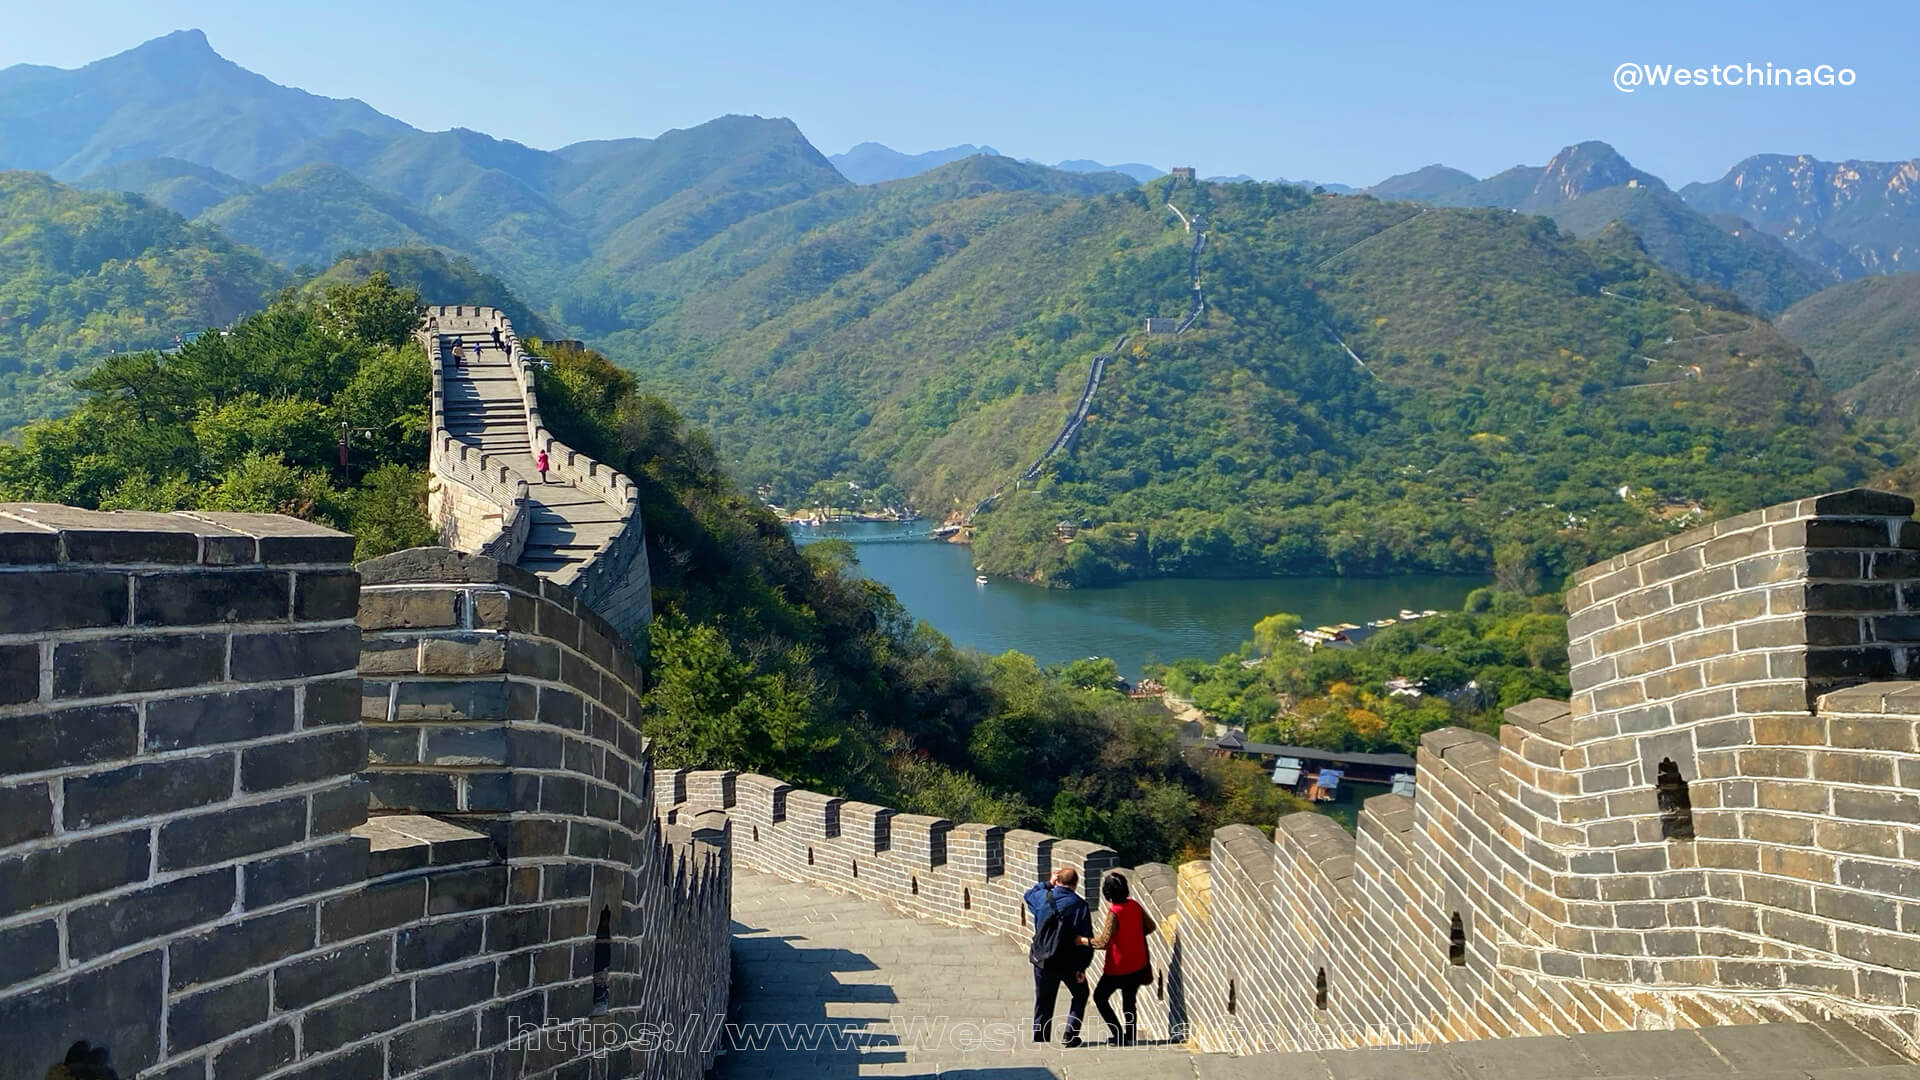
<point x="1425" y="374"/>
<point x="873" y="163"/>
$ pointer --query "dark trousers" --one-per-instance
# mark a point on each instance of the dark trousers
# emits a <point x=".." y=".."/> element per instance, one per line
<point x="1046" y="993"/>
<point x="1129" y="986"/>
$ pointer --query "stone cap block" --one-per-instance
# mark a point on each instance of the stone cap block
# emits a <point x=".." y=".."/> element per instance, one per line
<point x="1854" y="502"/>
<point x="813" y="814"/>
<point x="1196" y="886"/>
<point x="1027" y="842"/>
<point x="444" y="566"/>
<point x="1246" y="849"/>
<point x="1440" y="740"/>
<point x="1028" y="855"/>
<point x="762" y="795"/>
<point x="921" y="839"/>
<point x="414" y="841"/>
<point x="44" y="533"/>
<point x="1082" y="854"/>
<point x="1393" y="813"/>
<point x="976" y="848"/>
<point x="1155" y="885"/>
<point x="920" y="825"/>
<point x="1875" y="698"/>
<point x="1548" y="717"/>
<point x="1319" y="837"/>
<point x="867" y="825"/>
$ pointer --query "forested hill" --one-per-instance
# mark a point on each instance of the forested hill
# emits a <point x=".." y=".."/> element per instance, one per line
<point x="1864" y="338"/>
<point x="84" y="275"/>
<point x="1516" y="379"/>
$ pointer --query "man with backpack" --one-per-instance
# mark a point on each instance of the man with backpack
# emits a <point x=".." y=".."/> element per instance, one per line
<point x="1060" y="920"/>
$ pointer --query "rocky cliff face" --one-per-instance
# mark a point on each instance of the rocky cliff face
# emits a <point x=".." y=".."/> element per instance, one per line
<point x="1583" y="168"/>
<point x="1857" y="217"/>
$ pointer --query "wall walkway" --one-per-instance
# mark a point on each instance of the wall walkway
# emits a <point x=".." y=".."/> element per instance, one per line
<point x="580" y="527"/>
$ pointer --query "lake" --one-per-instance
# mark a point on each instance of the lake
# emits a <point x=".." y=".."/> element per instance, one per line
<point x="1158" y="620"/>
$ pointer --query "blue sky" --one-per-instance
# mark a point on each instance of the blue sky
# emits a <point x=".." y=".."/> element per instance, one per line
<point x="1325" y="91"/>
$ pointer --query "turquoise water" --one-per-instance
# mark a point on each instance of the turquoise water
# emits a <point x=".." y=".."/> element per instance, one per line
<point x="1140" y="622"/>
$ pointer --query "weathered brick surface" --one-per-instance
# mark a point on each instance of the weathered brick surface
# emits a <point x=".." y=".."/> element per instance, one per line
<point x="188" y="871"/>
<point x="141" y="715"/>
<point x="1706" y="654"/>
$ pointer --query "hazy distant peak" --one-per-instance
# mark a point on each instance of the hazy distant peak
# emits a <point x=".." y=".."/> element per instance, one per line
<point x="1586" y="167"/>
<point x="181" y="44"/>
<point x="1135" y="169"/>
<point x="874" y="163"/>
<point x="1423" y="184"/>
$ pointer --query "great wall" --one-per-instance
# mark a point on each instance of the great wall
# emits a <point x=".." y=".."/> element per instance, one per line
<point x="265" y="813"/>
<point x="1196" y="306"/>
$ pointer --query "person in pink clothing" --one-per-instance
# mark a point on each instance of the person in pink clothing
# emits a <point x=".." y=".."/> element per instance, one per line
<point x="540" y="462"/>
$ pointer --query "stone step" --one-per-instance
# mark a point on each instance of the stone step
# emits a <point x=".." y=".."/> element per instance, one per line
<point x="531" y="558"/>
<point x="1773" y="1051"/>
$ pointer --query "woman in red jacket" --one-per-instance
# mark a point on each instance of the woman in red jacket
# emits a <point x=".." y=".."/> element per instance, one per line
<point x="1127" y="967"/>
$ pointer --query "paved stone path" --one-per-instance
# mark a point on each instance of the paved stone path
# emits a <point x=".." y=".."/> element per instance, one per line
<point x="817" y="959"/>
<point x="806" y="956"/>
<point x="484" y="410"/>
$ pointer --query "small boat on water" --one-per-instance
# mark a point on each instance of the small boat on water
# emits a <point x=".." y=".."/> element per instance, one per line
<point x="980" y="579"/>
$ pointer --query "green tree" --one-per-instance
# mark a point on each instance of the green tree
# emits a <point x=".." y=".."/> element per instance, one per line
<point x="373" y="310"/>
<point x="1275" y="633"/>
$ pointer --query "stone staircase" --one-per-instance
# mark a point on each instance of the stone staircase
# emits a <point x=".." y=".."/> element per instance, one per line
<point x="484" y="410"/>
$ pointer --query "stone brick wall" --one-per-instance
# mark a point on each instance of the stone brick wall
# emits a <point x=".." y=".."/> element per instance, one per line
<point x="469" y="520"/>
<point x="176" y="698"/>
<point x="189" y="875"/>
<point x="497" y="701"/>
<point x="1699" y="837"/>
<point x="1722" y="827"/>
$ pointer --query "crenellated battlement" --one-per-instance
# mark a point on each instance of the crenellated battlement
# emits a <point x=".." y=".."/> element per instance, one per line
<point x="1721" y="827"/>
<point x="962" y="874"/>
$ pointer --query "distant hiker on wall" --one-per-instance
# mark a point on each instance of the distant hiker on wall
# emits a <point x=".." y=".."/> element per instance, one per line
<point x="1128" y="965"/>
<point x="498" y="341"/>
<point x="540" y="462"/>
<point x="1061" y="922"/>
<point x="459" y="357"/>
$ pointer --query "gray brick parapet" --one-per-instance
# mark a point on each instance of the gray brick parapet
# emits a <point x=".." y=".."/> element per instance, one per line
<point x="498" y="701"/>
<point x="1720" y="826"/>
<point x="177" y="702"/>
<point x="190" y="876"/>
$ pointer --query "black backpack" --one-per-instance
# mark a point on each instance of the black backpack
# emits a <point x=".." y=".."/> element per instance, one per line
<point x="1053" y="938"/>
